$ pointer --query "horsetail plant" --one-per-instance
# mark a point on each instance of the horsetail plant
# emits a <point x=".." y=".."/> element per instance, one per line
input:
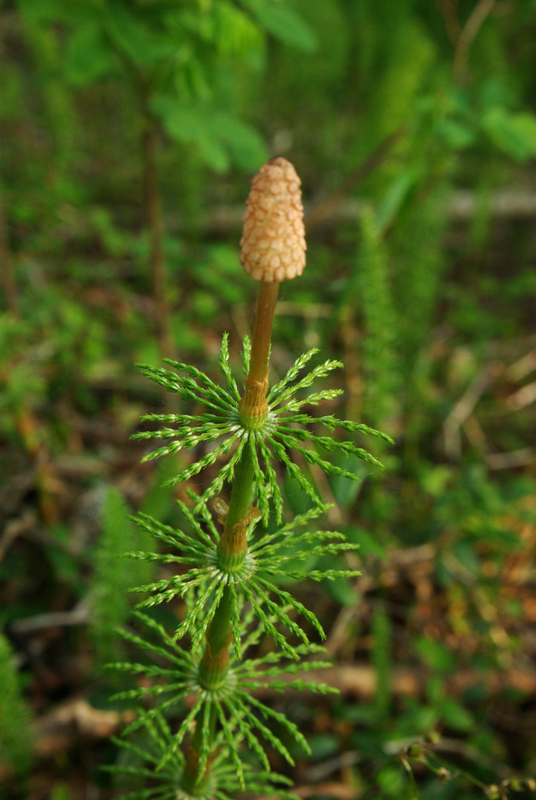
<point x="230" y="561"/>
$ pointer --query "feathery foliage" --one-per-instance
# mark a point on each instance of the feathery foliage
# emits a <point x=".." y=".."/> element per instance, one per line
<point x="379" y="361"/>
<point x="222" y="711"/>
<point x="114" y="575"/>
<point x="222" y="783"/>
<point x="197" y="712"/>
<point x="270" y="554"/>
<point x="420" y="265"/>
<point x="285" y="429"/>
<point x="15" y="731"/>
<point x="239" y="714"/>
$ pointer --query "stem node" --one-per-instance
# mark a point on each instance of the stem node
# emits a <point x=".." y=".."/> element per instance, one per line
<point x="253" y="408"/>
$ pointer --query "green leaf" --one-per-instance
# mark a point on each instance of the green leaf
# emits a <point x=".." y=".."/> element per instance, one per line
<point x="87" y="57"/>
<point x="181" y="122"/>
<point x="435" y="655"/>
<point x="455" y="715"/>
<point x="284" y="24"/>
<point x="158" y="501"/>
<point x="245" y="144"/>
<point x="344" y="491"/>
<point x="513" y="134"/>
<point x="323" y="746"/>
<point x="342" y="590"/>
<point x="131" y="34"/>
<point x="455" y="134"/>
<point x="395" y="197"/>
<point x="368" y="544"/>
<point x="219" y="136"/>
<point x="237" y="34"/>
<point x="191" y="125"/>
<point x="39" y="11"/>
<point x="391" y="781"/>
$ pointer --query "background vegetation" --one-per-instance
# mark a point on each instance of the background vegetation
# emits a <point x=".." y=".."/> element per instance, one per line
<point x="130" y="130"/>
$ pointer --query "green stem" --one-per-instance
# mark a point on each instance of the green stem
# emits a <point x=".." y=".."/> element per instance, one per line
<point x="242" y="489"/>
<point x="232" y="547"/>
<point x="215" y="662"/>
<point x="192" y="782"/>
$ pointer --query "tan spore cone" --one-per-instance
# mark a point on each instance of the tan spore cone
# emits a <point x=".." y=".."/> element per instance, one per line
<point x="272" y="247"/>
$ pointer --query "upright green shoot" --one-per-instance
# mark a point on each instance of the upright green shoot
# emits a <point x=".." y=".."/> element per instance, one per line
<point x="229" y="566"/>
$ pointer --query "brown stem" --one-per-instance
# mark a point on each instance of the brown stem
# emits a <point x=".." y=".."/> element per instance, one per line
<point x="319" y="213"/>
<point x="262" y="330"/>
<point x="253" y="407"/>
<point x="155" y="223"/>
<point x="215" y="662"/>
<point x="478" y="16"/>
<point x="9" y="286"/>
<point x="448" y="11"/>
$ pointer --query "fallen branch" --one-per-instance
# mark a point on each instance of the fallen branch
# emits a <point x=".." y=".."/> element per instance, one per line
<point x="361" y="680"/>
<point x="58" y="730"/>
<point x="68" y="724"/>
<point x="465" y="406"/>
<point x="461" y="206"/>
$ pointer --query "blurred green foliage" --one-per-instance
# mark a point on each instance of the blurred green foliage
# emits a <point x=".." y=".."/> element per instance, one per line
<point x="16" y="734"/>
<point x="113" y="576"/>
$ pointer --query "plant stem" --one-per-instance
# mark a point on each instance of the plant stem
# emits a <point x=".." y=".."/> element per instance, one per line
<point x="215" y="661"/>
<point x="192" y="782"/>
<point x="232" y="548"/>
<point x="155" y="222"/>
<point x="9" y="285"/>
<point x="253" y="408"/>
<point x="262" y="330"/>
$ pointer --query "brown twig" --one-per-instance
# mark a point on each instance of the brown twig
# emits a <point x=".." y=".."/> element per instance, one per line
<point x="79" y="615"/>
<point x="478" y="16"/>
<point x="74" y="720"/>
<point x="151" y="196"/>
<point x="522" y="367"/>
<point x="325" y="208"/>
<point x="9" y="286"/>
<point x="155" y="223"/>
<point x="460" y="206"/>
<point x="465" y="406"/>
<point x="523" y="397"/>
<point x="452" y="25"/>
<point x="360" y="680"/>
<point x="13" y="530"/>
<point x="513" y="460"/>
<point x="339" y="791"/>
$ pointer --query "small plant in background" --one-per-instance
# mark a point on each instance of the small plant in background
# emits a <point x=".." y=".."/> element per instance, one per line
<point x="230" y="567"/>
<point x="16" y="734"/>
<point x="113" y="577"/>
<point x="179" y="62"/>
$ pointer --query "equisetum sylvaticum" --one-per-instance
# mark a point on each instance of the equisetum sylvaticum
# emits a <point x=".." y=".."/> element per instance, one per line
<point x="200" y="730"/>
